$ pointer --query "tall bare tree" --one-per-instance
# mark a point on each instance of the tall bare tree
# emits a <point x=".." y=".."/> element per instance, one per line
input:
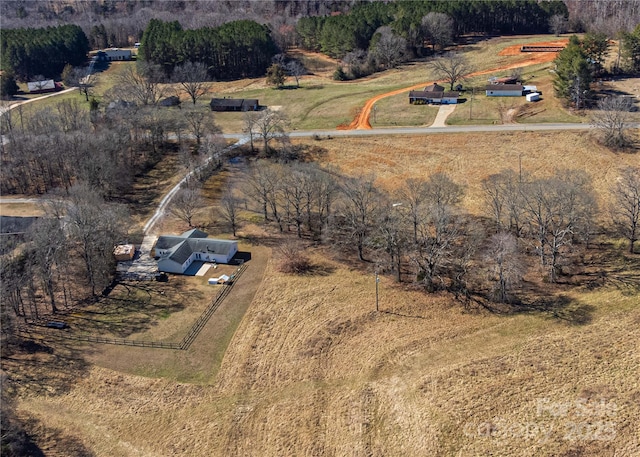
<point x="451" y="67"/>
<point x="200" y="122"/>
<point x="140" y="85"/>
<point x="389" y="49"/>
<point x="250" y="119"/>
<point x="229" y="209"/>
<point x="560" y="210"/>
<point x="438" y="28"/>
<point x="503" y="200"/>
<point x="626" y="209"/>
<point x="413" y="197"/>
<point x="358" y="210"/>
<point x="270" y="125"/>
<point x="613" y="122"/>
<point x="296" y="69"/>
<point x="96" y="227"/>
<point x="194" y="79"/>
<point x="187" y="204"/>
<point x="558" y="24"/>
<point x="504" y="263"/>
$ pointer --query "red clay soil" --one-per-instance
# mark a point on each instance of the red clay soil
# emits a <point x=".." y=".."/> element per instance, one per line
<point x="361" y="121"/>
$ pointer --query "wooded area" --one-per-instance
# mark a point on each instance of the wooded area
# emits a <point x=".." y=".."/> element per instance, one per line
<point x="340" y="34"/>
<point x="30" y="52"/>
<point x="239" y="49"/>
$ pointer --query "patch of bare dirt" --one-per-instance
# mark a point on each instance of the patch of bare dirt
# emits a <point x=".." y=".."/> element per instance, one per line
<point x="361" y="121"/>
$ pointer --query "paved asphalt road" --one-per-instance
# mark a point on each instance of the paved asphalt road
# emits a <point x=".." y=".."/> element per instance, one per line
<point x="432" y="130"/>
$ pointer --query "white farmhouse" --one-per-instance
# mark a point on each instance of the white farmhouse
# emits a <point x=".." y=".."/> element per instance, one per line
<point x="176" y="253"/>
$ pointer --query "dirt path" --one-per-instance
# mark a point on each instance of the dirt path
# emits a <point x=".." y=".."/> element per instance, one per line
<point x="361" y="121"/>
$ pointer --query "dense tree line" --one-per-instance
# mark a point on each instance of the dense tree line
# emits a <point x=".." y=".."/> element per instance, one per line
<point x="30" y="52"/>
<point x="236" y="49"/>
<point x="340" y="34"/>
<point x="420" y="233"/>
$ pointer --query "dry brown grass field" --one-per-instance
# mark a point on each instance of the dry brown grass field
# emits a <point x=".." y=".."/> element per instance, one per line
<point x="312" y="369"/>
<point x="305" y="366"/>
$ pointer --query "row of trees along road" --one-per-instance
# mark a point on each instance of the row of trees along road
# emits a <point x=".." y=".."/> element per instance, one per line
<point x="421" y="231"/>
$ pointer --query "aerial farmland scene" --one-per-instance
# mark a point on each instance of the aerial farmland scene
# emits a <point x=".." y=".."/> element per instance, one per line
<point x="320" y="228"/>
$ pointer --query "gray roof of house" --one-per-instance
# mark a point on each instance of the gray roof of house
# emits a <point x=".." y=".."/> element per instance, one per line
<point x="168" y="241"/>
<point x="435" y="87"/>
<point x="432" y="95"/>
<point x="222" y="247"/>
<point x="181" y="253"/>
<point x="181" y="247"/>
<point x="504" y="87"/>
<point x="194" y="233"/>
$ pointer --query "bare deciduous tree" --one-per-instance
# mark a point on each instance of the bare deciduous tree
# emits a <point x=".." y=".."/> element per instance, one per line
<point x="503" y="200"/>
<point x="270" y="125"/>
<point x="200" y="123"/>
<point x="187" y="203"/>
<point x="250" y="119"/>
<point x="451" y="67"/>
<point x="560" y="209"/>
<point x="505" y="266"/>
<point x="97" y="227"/>
<point x="194" y="79"/>
<point x="389" y="49"/>
<point x="626" y="209"/>
<point x="413" y="196"/>
<point x="438" y="28"/>
<point x="613" y="121"/>
<point x="358" y="210"/>
<point x="296" y="69"/>
<point x="229" y="208"/>
<point x="139" y="85"/>
<point x="558" y="24"/>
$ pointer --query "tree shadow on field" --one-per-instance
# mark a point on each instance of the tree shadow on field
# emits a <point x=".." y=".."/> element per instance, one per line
<point x="43" y="363"/>
<point x="131" y="307"/>
<point x="559" y="307"/>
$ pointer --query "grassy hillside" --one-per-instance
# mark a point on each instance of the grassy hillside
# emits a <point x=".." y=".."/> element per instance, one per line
<point x="304" y="365"/>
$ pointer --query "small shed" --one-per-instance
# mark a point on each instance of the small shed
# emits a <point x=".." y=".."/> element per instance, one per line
<point x="533" y="97"/>
<point x="124" y="252"/>
<point x="504" y="90"/>
<point x="41" y="87"/>
<point x="219" y="280"/>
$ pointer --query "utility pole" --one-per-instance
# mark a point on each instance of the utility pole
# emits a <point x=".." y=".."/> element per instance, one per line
<point x="377" y="281"/>
<point x="471" y="104"/>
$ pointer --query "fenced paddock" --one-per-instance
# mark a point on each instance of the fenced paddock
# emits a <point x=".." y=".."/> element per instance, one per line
<point x="184" y="344"/>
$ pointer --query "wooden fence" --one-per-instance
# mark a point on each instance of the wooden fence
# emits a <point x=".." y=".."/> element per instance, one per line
<point x="183" y="345"/>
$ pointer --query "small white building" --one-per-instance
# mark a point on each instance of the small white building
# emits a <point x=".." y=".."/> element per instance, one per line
<point x="36" y="87"/>
<point x="533" y="97"/>
<point x="117" y="54"/>
<point x="177" y="253"/>
<point x="504" y="90"/>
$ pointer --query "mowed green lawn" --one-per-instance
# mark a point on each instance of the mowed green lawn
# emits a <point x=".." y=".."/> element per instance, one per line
<point x="319" y="102"/>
